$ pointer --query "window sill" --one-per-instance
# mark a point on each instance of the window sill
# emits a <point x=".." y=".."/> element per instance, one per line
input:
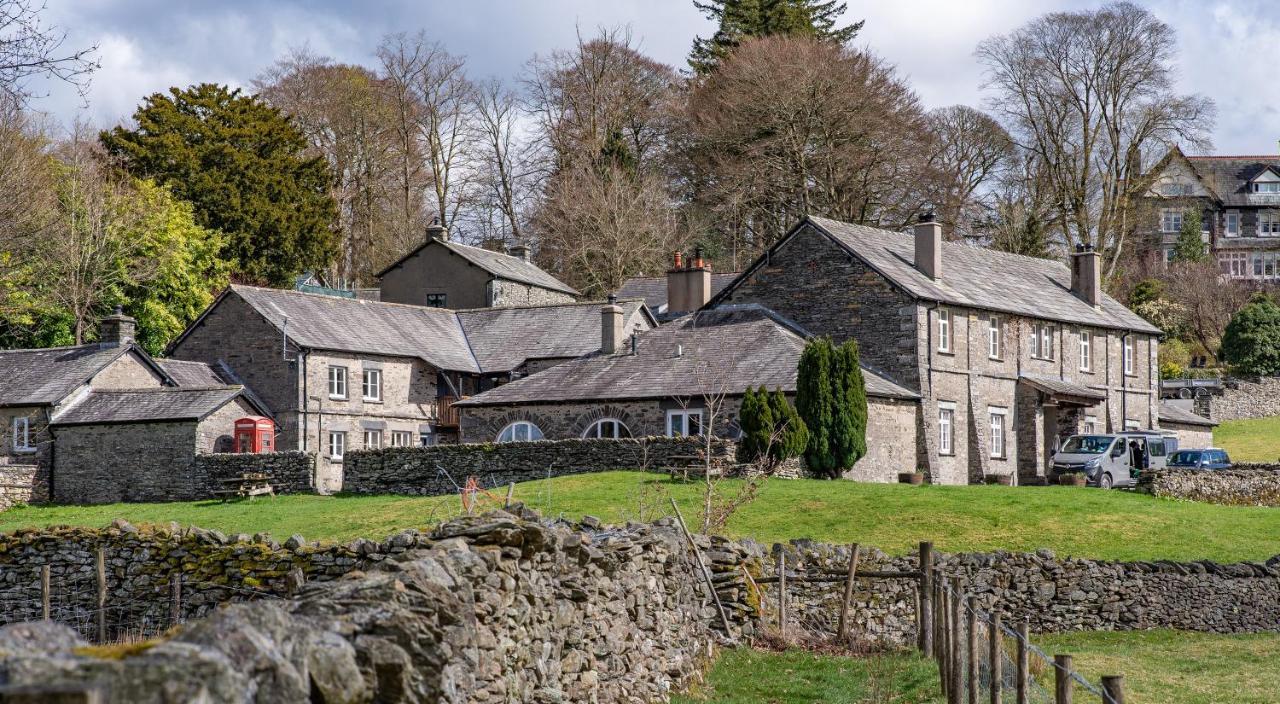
<point x="1082" y="370"/>
<point x="948" y="353"/>
<point x="366" y="399"/>
<point x="337" y="398"/>
<point x="335" y="459"/>
<point x="995" y="359"/>
<point x="25" y="450"/>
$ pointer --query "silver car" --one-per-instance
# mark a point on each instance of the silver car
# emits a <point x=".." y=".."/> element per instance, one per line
<point x="1113" y="459"/>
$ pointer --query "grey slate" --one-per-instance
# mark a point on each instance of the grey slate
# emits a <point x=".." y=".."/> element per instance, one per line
<point x="716" y="351"/>
<point x="1228" y="178"/>
<point x="653" y="289"/>
<point x="137" y="405"/>
<point x="504" y="338"/>
<point x="501" y="265"/>
<point x="1170" y="413"/>
<point x="1054" y="386"/>
<point x="46" y="376"/>
<point x="192" y="374"/>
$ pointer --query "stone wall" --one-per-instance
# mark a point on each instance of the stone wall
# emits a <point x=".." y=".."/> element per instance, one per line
<point x="20" y="484"/>
<point x="291" y="472"/>
<point x="97" y="464"/>
<point x="1242" y="485"/>
<point x="1257" y="397"/>
<point x="441" y="469"/>
<point x="504" y="292"/>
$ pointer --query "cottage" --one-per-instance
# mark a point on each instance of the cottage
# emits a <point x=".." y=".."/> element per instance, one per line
<point x="1192" y="430"/>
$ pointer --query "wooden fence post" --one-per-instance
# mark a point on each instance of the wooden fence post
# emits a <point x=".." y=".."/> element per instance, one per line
<point x="956" y="669"/>
<point x="924" y="617"/>
<point x="1113" y="689"/>
<point x="997" y="656"/>
<point x="1062" y="679"/>
<point x="944" y="655"/>
<point x="1023" y="676"/>
<point x="511" y="490"/>
<point x="175" y="598"/>
<point x="971" y="624"/>
<point x="843" y="630"/>
<point x="102" y="594"/>
<point x="44" y="592"/>
<point x="782" y="593"/>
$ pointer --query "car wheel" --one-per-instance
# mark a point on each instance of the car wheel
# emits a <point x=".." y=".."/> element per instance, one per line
<point x="1105" y="481"/>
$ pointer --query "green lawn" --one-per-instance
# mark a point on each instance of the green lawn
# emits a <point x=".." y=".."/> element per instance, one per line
<point x="745" y="676"/>
<point x="1250" y="440"/>
<point x="1071" y="521"/>
<point x="1177" y="667"/>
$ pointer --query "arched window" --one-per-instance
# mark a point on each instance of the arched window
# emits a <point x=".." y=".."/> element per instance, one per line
<point x="610" y="428"/>
<point x="520" y="431"/>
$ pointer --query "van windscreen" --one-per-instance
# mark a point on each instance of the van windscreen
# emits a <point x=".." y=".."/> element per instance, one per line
<point x="1087" y="444"/>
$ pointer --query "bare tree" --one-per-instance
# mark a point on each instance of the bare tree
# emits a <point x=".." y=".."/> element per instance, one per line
<point x="1208" y="300"/>
<point x="971" y="152"/>
<point x="1091" y="96"/>
<point x="506" y="168"/>
<point x="30" y="48"/>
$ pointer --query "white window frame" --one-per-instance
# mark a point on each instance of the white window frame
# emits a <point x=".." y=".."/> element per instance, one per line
<point x="371" y="380"/>
<point x="596" y="430"/>
<point x="520" y="427"/>
<point x="944" y="330"/>
<point x="1271" y="187"/>
<point x="1086" y="351"/>
<point x="22" y="435"/>
<point x="1171" y="219"/>
<point x="1042" y="341"/>
<point x="1130" y="424"/>
<point x="402" y="438"/>
<point x="682" y="416"/>
<point x="337" y="382"/>
<point x="1231" y="223"/>
<point x="337" y="444"/>
<point x="1234" y="264"/>
<point x="946" y="428"/>
<point x="1269" y="223"/>
<point x="1130" y="348"/>
<point x="994" y="338"/>
<point x="1090" y="425"/>
<point x="999" y="420"/>
<point x="372" y="439"/>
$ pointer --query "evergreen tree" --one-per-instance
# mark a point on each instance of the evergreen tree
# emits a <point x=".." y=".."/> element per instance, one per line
<point x="849" y="433"/>
<point x="1190" y="245"/>
<point x="756" y="421"/>
<point x="1251" y="343"/>
<point x="242" y="166"/>
<point x="738" y="20"/>
<point x="791" y="434"/>
<point x="815" y="403"/>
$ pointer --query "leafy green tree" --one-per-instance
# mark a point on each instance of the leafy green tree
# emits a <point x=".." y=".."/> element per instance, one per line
<point x="1145" y="291"/>
<point x="791" y="434"/>
<point x="242" y="165"/>
<point x="816" y="404"/>
<point x="1251" y="343"/>
<point x="741" y="19"/>
<point x="1190" y="245"/>
<point x="849" y="388"/>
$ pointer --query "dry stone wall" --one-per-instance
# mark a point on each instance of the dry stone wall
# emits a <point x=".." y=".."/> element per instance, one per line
<point x="1242" y="485"/>
<point x="441" y="469"/>
<point x="291" y="472"/>
<point x="1256" y="397"/>
<point x="21" y="484"/>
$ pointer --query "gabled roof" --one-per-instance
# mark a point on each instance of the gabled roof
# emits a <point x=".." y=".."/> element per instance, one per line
<point x="1170" y="413"/>
<point x="971" y="276"/>
<point x="653" y="289"/>
<point x="503" y="338"/>
<point x="147" y="405"/>
<point x="40" y="377"/>
<point x="715" y="351"/>
<point x="192" y="374"/>
<point x="503" y="266"/>
<point x="1228" y="177"/>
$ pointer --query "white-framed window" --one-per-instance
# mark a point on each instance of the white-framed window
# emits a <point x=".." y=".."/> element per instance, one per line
<point x="946" y="428"/>
<point x="372" y="439"/>
<point x="1130" y="424"/>
<point x="1231" y="223"/>
<point x="520" y="431"/>
<point x="1266" y="187"/>
<point x="337" y="382"/>
<point x="402" y="438"/>
<point x="22" y="440"/>
<point x="944" y="330"/>
<point x="610" y="428"/>
<point x="1086" y="351"/>
<point x="1090" y="425"/>
<point x="1171" y="220"/>
<point x="1269" y="223"/>
<point x="1128" y="355"/>
<point x="684" y="423"/>
<point x="994" y="350"/>
<point x="1042" y="341"/>
<point x="1265" y="265"/>
<point x="371" y="384"/>
<point x="337" y="444"/>
<point x="998" y="427"/>
<point x="1234" y="264"/>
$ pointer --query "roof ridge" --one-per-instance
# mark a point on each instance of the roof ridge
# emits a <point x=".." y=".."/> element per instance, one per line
<point x="167" y="389"/>
<point x="63" y="348"/>
<point x="327" y="297"/>
<point x="532" y="306"/>
<point x="954" y="245"/>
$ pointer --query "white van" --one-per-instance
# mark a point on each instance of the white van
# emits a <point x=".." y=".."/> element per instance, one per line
<point x="1113" y="459"/>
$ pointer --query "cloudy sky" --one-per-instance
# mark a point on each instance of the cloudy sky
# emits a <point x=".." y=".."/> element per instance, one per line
<point x="149" y="45"/>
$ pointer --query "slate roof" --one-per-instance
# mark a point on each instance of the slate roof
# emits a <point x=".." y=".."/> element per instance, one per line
<point x="46" y="376"/>
<point x="1228" y="177"/>
<point x="653" y="289"/>
<point x="721" y="350"/>
<point x="1058" y="387"/>
<point x="976" y="277"/>
<point x="141" y="405"/>
<point x="503" y="266"/>
<point x="503" y="338"/>
<point x="1170" y="413"/>
<point x="191" y="374"/>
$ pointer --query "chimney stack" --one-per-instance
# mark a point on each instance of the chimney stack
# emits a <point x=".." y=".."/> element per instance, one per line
<point x="519" y="251"/>
<point x="688" y="288"/>
<point x="929" y="246"/>
<point x="436" y="231"/>
<point x="117" y="329"/>
<point x="612" y="333"/>
<point x="1086" y="274"/>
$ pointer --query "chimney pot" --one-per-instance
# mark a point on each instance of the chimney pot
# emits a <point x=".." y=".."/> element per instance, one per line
<point x="437" y="231"/>
<point x="928" y="251"/>
<point x="519" y="251"/>
<point x="679" y="261"/>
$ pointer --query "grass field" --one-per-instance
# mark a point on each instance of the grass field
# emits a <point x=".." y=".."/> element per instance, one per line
<point x="1071" y="521"/>
<point x="1250" y="440"/>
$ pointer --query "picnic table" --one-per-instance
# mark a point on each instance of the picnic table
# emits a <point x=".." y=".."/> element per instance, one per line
<point x="681" y="464"/>
<point x="249" y="484"/>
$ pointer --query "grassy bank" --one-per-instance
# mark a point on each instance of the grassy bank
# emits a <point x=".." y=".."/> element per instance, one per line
<point x="1250" y="440"/>
<point x="1071" y="521"/>
<point x="745" y="676"/>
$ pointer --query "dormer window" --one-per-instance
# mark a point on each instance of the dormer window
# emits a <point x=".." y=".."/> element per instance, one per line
<point x="1266" y="186"/>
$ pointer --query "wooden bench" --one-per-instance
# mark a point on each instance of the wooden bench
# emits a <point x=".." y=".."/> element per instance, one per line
<point x="246" y="485"/>
<point x="681" y="464"/>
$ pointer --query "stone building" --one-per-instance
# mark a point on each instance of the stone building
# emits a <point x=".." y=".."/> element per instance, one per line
<point x="445" y="274"/>
<point x="341" y="373"/>
<point x="1238" y="198"/>
<point x="681" y="379"/>
<point x="683" y="290"/>
<point x="1192" y="430"/>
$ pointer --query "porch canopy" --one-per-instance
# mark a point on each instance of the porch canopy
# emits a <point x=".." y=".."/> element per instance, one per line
<point x="1063" y="392"/>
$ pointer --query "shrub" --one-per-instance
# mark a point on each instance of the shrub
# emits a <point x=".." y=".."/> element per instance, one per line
<point x="832" y="400"/>
<point x="815" y="403"/>
<point x="792" y="435"/>
<point x="1251" y="343"/>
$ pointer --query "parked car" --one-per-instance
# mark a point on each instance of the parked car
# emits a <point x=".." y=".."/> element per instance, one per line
<point x="1113" y="459"/>
<point x="1209" y="458"/>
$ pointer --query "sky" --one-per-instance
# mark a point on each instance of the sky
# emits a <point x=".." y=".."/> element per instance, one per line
<point x="148" y="45"/>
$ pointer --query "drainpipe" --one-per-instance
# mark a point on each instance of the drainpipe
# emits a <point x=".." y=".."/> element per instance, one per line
<point x="928" y="324"/>
<point x="306" y="424"/>
<point x="1124" y="382"/>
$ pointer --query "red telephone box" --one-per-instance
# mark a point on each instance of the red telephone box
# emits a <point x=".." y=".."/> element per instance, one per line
<point x="255" y="434"/>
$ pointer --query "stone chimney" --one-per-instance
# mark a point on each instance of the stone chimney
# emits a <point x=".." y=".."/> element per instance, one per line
<point x="929" y="246"/>
<point x="117" y="329"/>
<point x="612" y="332"/>
<point x="688" y="287"/>
<point x="436" y="231"/>
<point x="519" y="251"/>
<point x="1086" y="274"/>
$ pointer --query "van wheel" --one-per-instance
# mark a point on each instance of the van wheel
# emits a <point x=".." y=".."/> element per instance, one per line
<point x="1105" y="481"/>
